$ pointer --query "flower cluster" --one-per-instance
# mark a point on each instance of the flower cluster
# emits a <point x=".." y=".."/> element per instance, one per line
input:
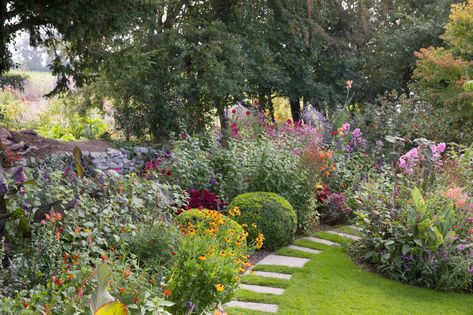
<point x="414" y="158"/>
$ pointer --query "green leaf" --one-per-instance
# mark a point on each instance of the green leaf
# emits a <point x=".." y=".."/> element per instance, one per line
<point x="405" y="249"/>
<point x="468" y="86"/>
<point x="419" y="201"/>
<point x="101" y="295"/>
<point x="113" y="308"/>
<point x="16" y="214"/>
<point x="77" y="156"/>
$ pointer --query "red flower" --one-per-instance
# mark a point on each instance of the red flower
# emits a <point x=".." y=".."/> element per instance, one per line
<point x="233" y="111"/>
<point x="183" y="136"/>
<point x="58" y="233"/>
<point x="289" y="121"/>
<point x="248" y="113"/>
<point x="163" y="171"/>
<point x="167" y="292"/>
<point x="169" y="173"/>
<point x="173" y="253"/>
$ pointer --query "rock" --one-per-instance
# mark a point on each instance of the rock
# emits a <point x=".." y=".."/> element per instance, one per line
<point x="17" y="146"/>
<point x="31" y="148"/>
<point x="143" y="150"/>
<point x="113" y="151"/>
<point x="4" y="134"/>
<point x="30" y="132"/>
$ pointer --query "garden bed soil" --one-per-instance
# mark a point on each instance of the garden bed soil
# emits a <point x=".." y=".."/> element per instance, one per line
<point x="28" y="143"/>
<point x="258" y="256"/>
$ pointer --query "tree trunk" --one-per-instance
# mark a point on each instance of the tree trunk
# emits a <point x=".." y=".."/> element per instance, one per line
<point x="223" y="124"/>
<point x="295" y="109"/>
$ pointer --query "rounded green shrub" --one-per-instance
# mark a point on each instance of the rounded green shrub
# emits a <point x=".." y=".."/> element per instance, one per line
<point x="266" y="213"/>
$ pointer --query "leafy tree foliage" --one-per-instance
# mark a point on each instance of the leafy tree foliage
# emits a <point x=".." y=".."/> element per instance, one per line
<point x="446" y="70"/>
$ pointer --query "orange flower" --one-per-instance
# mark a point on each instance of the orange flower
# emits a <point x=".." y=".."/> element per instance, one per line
<point x="126" y="272"/>
<point x="70" y="276"/>
<point x="122" y="290"/>
<point x="167" y="292"/>
<point x="201" y="257"/>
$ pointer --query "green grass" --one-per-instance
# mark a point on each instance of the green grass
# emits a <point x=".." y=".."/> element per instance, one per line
<point x="332" y="284"/>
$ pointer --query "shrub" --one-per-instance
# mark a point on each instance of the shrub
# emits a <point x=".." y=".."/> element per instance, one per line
<point x="333" y="210"/>
<point x="204" y="198"/>
<point x="155" y="244"/>
<point x="425" y="242"/>
<point x="272" y="215"/>
<point x="264" y="165"/>
<point x="208" y="262"/>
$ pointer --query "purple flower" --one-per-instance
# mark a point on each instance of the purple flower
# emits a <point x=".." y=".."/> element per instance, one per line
<point x="461" y="247"/>
<point x="470" y="270"/>
<point x="19" y="176"/>
<point x="357" y="132"/>
<point x="379" y="144"/>
<point x="213" y="181"/>
<point x="3" y="187"/>
<point x="190" y="306"/>
<point x="168" y="154"/>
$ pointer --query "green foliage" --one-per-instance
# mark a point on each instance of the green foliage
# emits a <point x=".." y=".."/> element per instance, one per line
<point x="420" y="243"/>
<point x="273" y="215"/>
<point x="266" y="166"/>
<point x="155" y="244"/>
<point x="444" y="70"/>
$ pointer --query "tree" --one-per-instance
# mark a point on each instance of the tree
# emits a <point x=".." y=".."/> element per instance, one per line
<point x="74" y="30"/>
<point x="396" y="30"/>
<point x="446" y="70"/>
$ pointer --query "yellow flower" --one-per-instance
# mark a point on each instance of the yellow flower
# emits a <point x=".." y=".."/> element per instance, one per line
<point x="223" y="254"/>
<point x="201" y="257"/>
<point x="254" y="225"/>
<point x="244" y="225"/>
<point x="219" y="287"/>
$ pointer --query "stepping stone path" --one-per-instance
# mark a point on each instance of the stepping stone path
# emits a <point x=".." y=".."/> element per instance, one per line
<point x="321" y="241"/>
<point x="262" y="289"/>
<point x="286" y="261"/>
<point x="261" y="307"/>
<point x="304" y="249"/>
<point x="352" y="237"/>
<point x="267" y="274"/>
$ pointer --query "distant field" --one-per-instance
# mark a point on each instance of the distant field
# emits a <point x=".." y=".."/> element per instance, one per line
<point x="39" y="83"/>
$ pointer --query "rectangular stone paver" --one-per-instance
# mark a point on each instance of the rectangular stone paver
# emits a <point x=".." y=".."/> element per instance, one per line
<point x="262" y="289"/>
<point x="304" y="249"/>
<point x="345" y="235"/>
<point x="321" y="241"/>
<point x="261" y="307"/>
<point x="266" y="274"/>
<point x="277" y="260"/>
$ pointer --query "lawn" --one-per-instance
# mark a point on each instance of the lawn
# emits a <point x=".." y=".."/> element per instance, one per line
<point x="332" y="284"/>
